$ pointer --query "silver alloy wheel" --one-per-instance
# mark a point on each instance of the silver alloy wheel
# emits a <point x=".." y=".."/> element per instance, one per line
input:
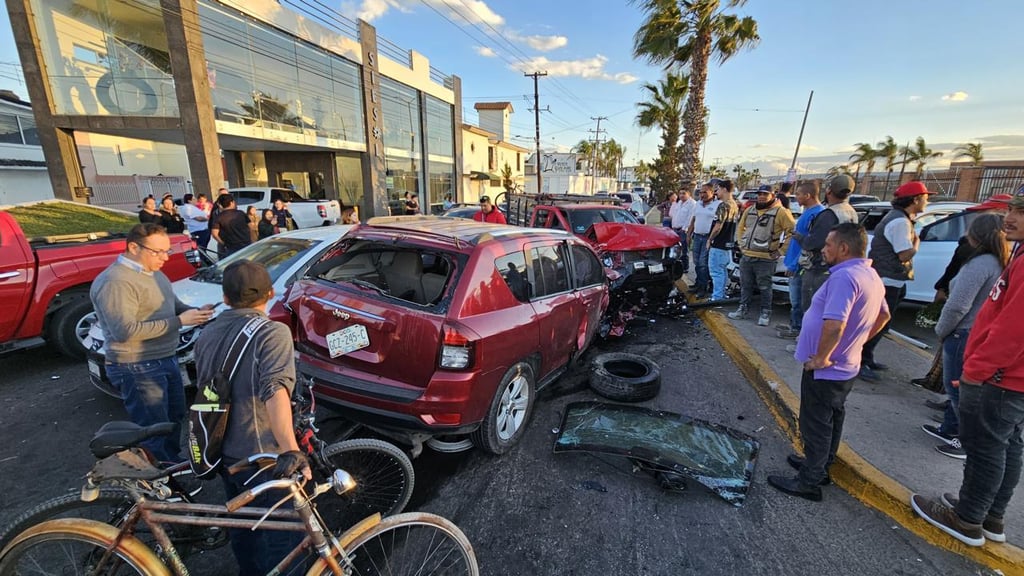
<point x="515" y="399"/>
<point x="82" y="328"/>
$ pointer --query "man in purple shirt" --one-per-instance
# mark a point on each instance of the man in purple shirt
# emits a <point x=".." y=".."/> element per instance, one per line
<point x="844" y="313"/>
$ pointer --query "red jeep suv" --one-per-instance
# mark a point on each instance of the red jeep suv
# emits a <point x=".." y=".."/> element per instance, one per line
<point x="421" y="326"/>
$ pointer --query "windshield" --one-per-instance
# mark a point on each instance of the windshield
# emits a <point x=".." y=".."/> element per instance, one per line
<point x="277" y="254"/>
<point x="581" y="220"/>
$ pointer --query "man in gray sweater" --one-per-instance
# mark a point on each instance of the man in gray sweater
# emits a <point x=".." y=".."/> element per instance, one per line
<point x="140" y="318"/>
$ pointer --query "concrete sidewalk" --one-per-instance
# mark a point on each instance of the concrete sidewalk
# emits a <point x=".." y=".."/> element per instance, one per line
<point x="886" y="456"/>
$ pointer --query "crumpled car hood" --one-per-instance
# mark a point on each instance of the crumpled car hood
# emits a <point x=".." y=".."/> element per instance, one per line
<point x="621" y="236"/>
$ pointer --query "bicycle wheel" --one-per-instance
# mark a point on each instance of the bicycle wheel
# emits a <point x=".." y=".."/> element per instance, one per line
<point x="111" y="507"/>
<point x="77" y="546"/>
<point x="415" y="543"/>
<point x="384" y="481"/>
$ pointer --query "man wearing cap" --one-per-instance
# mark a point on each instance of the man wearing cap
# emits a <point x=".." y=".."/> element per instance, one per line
<point x="697" y="235"/>
<point x="807" y="197"/>
<point x="813" y="268"/>
<point x="760" y="235"/>
<point x="261" y="411"/>
<point x="489" y="212"/>
<point x="892" y="255"/>
<point x="991" y="408"/>
<point x="140" y="317"/>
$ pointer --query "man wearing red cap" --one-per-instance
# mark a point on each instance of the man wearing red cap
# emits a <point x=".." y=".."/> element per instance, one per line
<point x="991" y="408"/>
<point x="892" y="256"/>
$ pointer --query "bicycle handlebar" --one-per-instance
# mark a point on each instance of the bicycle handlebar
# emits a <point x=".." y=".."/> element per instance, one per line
<point x="261" y="460"/>
<point x="341" y="482"/>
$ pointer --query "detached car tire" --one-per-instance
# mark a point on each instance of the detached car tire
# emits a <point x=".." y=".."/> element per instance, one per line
<point x="625" y="377"/>
<point x="509" y="412"/>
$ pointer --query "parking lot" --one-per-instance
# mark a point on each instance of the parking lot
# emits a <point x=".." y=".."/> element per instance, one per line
<point x="535" y="512"/>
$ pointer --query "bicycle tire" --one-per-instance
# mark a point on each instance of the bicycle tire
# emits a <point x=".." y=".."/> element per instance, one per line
<point x="111" y="504"/>
<point x="69" y="545"/>
<point x="384" y="481"/>
<point x="413" y="543"/>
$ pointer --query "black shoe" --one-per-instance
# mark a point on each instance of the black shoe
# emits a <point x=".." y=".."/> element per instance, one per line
<point x="797" y="462"/>
<point x="794" y="487"/>
<point x="868" y="374"/>
<point x="919" y="382"/>
<point x="877" y="367"/>
<point x="940" y="406"/>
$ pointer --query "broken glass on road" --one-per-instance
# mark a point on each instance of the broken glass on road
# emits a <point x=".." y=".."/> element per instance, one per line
<point x="718" y="457"/>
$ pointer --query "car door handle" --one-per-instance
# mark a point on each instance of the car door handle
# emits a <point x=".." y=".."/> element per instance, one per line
<point x="6" y="275"/>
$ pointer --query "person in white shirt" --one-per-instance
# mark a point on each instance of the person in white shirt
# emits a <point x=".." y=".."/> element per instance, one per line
<point x="682" y="213"/>
<point x="196" y="219"/>
<point x="697" y="235"/>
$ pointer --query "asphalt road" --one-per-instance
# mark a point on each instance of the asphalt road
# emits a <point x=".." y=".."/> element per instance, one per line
<point x="535" y="512"/>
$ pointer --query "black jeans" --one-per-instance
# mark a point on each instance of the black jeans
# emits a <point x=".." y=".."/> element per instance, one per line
<point x="893" y="297"/>
<point x="259" y="551"/>
<point x="811" y="279"/>
<point x="991" y="419"/>
<point x="822" y="413"/>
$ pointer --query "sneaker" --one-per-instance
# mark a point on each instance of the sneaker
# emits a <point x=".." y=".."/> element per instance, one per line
<point x="940" y="406"/>
<point x="866" y="373"/>
<point x="781" y="327"/>
<point x="876" y="366"/>
<point x="765" y="319"/>
<point x="791" y="348"/>
<point x="739" y="314"/>
<point x="937" y="433"/>
<point x="954" y="449"/>
<point x="789" y="334"/>
<point x="944" y="518"/>
<point x="992" y="527"/>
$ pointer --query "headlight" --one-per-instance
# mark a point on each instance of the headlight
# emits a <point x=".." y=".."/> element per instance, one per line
<point x="674" y="251"/>
<point x="607" y="262"/>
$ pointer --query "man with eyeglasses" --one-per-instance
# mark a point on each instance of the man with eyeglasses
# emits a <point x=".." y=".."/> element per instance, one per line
<point x="140" y="318"/>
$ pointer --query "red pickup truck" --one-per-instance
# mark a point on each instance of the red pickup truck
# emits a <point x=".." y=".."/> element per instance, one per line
<point x="44" y="284"/>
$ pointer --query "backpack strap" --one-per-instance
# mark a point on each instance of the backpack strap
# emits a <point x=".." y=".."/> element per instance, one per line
<point x="238" y="346"/>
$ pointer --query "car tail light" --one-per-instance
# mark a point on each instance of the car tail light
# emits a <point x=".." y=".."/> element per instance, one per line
<point x="321" y="210"/>
<point x="456" y="350"/>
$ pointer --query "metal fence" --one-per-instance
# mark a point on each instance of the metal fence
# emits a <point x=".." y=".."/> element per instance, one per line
<point x="999" y="181"/>
<point x="394" y="52"/>
<point x="127" y="192"/>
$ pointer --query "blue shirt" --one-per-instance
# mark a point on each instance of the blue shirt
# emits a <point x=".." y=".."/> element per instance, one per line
<point x="854" y="294"/>
<point x="803" y="226"/>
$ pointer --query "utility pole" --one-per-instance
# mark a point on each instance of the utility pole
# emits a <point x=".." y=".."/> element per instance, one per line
<point x="536" y="120"/>
<point x="593" y="153"/>
<point x="792" y="167"/>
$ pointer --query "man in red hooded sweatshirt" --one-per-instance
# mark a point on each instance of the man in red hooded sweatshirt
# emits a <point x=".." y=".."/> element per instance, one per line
<point x="991" y="407"/>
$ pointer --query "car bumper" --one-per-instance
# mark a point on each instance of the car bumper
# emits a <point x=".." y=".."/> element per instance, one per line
<point x="449" y="405"/>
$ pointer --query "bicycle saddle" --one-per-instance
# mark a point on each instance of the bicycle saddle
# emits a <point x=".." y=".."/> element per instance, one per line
<point x="116" y="436"/>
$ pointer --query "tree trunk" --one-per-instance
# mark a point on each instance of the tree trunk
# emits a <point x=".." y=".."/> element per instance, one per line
<point x="694" y="118"/>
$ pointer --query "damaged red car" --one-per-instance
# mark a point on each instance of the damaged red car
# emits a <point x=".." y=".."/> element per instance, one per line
<point x="424" y="327"/>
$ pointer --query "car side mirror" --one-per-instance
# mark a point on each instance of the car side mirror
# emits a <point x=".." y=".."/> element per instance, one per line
<point x="642" y="219"/>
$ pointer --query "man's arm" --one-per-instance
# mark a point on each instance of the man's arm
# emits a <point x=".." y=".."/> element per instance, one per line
<point x="831" y="332"/>
<point x="883" y="317"/>
<point x="822" y="224"/>
<point x="741" y="225"/>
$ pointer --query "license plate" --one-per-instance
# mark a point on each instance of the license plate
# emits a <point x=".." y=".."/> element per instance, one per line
<point x="94" y="369"/>
<point x="639" y="265"/>
<point x="347" y="340"/>
<point x="656" y="268"/>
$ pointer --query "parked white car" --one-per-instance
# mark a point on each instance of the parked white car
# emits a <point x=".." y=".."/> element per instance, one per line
<point x="633" y="202"/>
<point x="306" y="213"/>
<point x="287" y="256"/>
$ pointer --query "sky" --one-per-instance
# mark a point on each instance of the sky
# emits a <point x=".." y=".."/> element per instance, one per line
<point x="948" y="71"/>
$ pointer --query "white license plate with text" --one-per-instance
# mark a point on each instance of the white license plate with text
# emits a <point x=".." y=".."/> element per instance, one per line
<point x="347" y="340"/>
<point x="656" y="268"/>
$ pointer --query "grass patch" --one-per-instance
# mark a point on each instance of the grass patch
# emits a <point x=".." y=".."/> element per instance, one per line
<point x="60" y="218"/>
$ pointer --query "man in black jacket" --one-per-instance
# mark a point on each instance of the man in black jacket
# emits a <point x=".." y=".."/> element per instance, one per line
<point x="813" y="268"/>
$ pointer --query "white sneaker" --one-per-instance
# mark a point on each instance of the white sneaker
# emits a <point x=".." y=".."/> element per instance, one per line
<point x="739" y="314"/>
<point x="765" y="319"/>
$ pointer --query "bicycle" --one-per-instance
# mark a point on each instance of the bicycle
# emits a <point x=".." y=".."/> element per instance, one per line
<point x="416" y="543"/>
<point x="384" y="478"/>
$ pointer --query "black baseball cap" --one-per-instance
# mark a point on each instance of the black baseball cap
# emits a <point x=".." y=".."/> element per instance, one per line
<point x="246" y="282"/>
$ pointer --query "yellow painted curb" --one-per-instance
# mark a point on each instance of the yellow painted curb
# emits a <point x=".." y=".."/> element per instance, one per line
<point x="850" y="471"/>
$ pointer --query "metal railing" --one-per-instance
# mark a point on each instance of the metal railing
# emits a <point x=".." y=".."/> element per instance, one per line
<point x="394" y="52"/>
<point x="999" y="181"/>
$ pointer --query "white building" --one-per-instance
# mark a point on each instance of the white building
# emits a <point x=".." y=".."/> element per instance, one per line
<point x="23" y="176"/>
<point x="562" y="174"/>
<point x="486" y="151"/>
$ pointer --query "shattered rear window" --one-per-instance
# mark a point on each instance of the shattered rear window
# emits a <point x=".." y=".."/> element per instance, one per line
<point x="718" y="457"/>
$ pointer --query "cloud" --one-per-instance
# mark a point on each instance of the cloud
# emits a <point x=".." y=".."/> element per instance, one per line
<point x="914" y="98"/>
<point x="539" y="43"/>
<point x="589" y="68"/>
<point x="485" y="51"/>
<point x="761" y="145"/>
<point x="958" y="96"/>
<point x="370" y="10"/>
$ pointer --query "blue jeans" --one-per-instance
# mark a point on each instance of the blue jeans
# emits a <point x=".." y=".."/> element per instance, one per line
<point x="796" y="309"/>
<point x="153" y="393"/>
<point x="259" y="551"/>
<point x="952" y="366"/>
<point x="718" y="268"/>
<point x="700" y="262"/>
<point x="991" y="419"/>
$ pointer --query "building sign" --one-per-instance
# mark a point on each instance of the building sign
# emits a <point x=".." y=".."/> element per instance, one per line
<point x="375" y="202"/>
<point x="558" y="163"/>
<point x="374" y="125"/>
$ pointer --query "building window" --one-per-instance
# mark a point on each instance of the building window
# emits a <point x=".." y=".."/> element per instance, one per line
<point x="519" y="162"/>
<point x="492" y="160"/>
<point x="16" y="129"/>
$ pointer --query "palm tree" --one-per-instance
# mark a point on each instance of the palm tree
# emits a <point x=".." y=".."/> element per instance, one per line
<point x="887" y="149"/>
<point x="970" y="150"/>
<point x="840" y="169"/>
<point x="920" y="154"/>
<point x="864" y="153"/>
<point x="584" y="151"/>
<point x="663" y="108"/>
<point x="755" y="176"/>
<point x="677" y="33"/>
<point x="611" y="153"/>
